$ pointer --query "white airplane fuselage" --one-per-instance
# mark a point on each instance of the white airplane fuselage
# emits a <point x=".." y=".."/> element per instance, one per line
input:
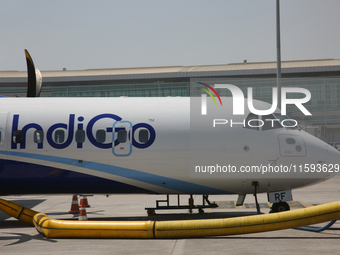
<point x="71" y="145"/>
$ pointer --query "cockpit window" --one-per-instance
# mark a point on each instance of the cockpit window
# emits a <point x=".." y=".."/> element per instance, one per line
<point x="270" y="122"/>
<point x="253" y="122"/>
<point x="287" y="122"/>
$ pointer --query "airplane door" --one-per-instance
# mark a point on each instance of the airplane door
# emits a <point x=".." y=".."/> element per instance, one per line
<point x="122" y="138"/>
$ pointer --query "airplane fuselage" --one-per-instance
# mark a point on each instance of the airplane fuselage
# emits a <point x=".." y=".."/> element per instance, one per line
<point x="143" y="145"/>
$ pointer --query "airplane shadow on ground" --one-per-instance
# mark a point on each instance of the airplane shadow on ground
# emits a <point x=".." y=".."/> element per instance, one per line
<point x="176" y="216"/>
<point x="28" y="203"/>
<point x="96" y="216"/>
<point x="321" y="237"/>
<point x="99" y="212"/>
<point x="23" y="238"/>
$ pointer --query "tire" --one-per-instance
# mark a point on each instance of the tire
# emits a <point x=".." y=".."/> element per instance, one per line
<point x="280" y="207"/>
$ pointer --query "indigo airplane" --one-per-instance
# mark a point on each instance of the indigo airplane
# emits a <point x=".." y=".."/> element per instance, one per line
<point x="154" y="146"/>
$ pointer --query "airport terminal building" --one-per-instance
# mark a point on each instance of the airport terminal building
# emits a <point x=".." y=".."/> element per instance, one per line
<point x="320" y="77"/>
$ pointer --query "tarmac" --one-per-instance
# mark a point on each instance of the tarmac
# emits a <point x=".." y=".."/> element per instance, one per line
<point x="20" y="238"/>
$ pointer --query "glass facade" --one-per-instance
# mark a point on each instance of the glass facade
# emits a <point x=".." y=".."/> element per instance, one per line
<point x="324" y="104"/>
<point x="129" y="90"/>
<point x="325" y="96"/>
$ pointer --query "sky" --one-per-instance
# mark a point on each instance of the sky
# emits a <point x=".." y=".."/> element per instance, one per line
<point x="83" y="34"/>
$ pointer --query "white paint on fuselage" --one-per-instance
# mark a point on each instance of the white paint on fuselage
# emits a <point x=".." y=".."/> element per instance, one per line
<point x="169" y="155"/>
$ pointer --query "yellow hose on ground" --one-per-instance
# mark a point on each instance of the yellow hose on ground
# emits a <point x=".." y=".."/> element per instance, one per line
<point x="249" y="224"/>
<point x="51" y="228"/>
<point x="172" y="229"/>
<point x="17" y="211"/>
<point x="186" y="228"/>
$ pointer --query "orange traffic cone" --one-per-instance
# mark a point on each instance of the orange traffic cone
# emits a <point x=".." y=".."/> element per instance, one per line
<point x="74" y="205"/>
<point x="82" y="210"/>
<point x="83" y="202"/>
<point x="82" y="214"/>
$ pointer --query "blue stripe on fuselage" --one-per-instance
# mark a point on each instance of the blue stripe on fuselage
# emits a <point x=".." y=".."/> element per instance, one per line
<point x="17" y="178"/>
<point x="165" y="182"/>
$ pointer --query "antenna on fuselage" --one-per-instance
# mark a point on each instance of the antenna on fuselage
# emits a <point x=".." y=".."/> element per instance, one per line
<point x="34" y="80"/>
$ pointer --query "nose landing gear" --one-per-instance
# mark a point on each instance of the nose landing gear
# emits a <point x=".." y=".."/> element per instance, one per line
<point x="279" y="207"/>
<point x="279" y="198"/>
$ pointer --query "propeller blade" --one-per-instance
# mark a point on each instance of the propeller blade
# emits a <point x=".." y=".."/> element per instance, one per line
<point x="34" y="78"/>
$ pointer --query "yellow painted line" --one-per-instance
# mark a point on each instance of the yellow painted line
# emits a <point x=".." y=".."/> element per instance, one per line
<point x="232" y="205"/>
<point x="303" y="204"/>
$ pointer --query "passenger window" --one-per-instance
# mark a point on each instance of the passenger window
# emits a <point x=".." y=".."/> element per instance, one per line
<point x="100" y="135"/>
<point x="122" y="136"/>
<point x="17" y="136"/>
<point x="143" y="136"/>
<point x="59" y="136"/>
<point x="253" y="122"/>
<point x="80" y="136"/>
<point x="269" y="123"/>
<point x="38" y="136"/>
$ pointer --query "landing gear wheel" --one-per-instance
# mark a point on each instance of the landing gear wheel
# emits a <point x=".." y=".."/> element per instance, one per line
<point x="151" y="212"/>
<point x="280" y="207"/>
